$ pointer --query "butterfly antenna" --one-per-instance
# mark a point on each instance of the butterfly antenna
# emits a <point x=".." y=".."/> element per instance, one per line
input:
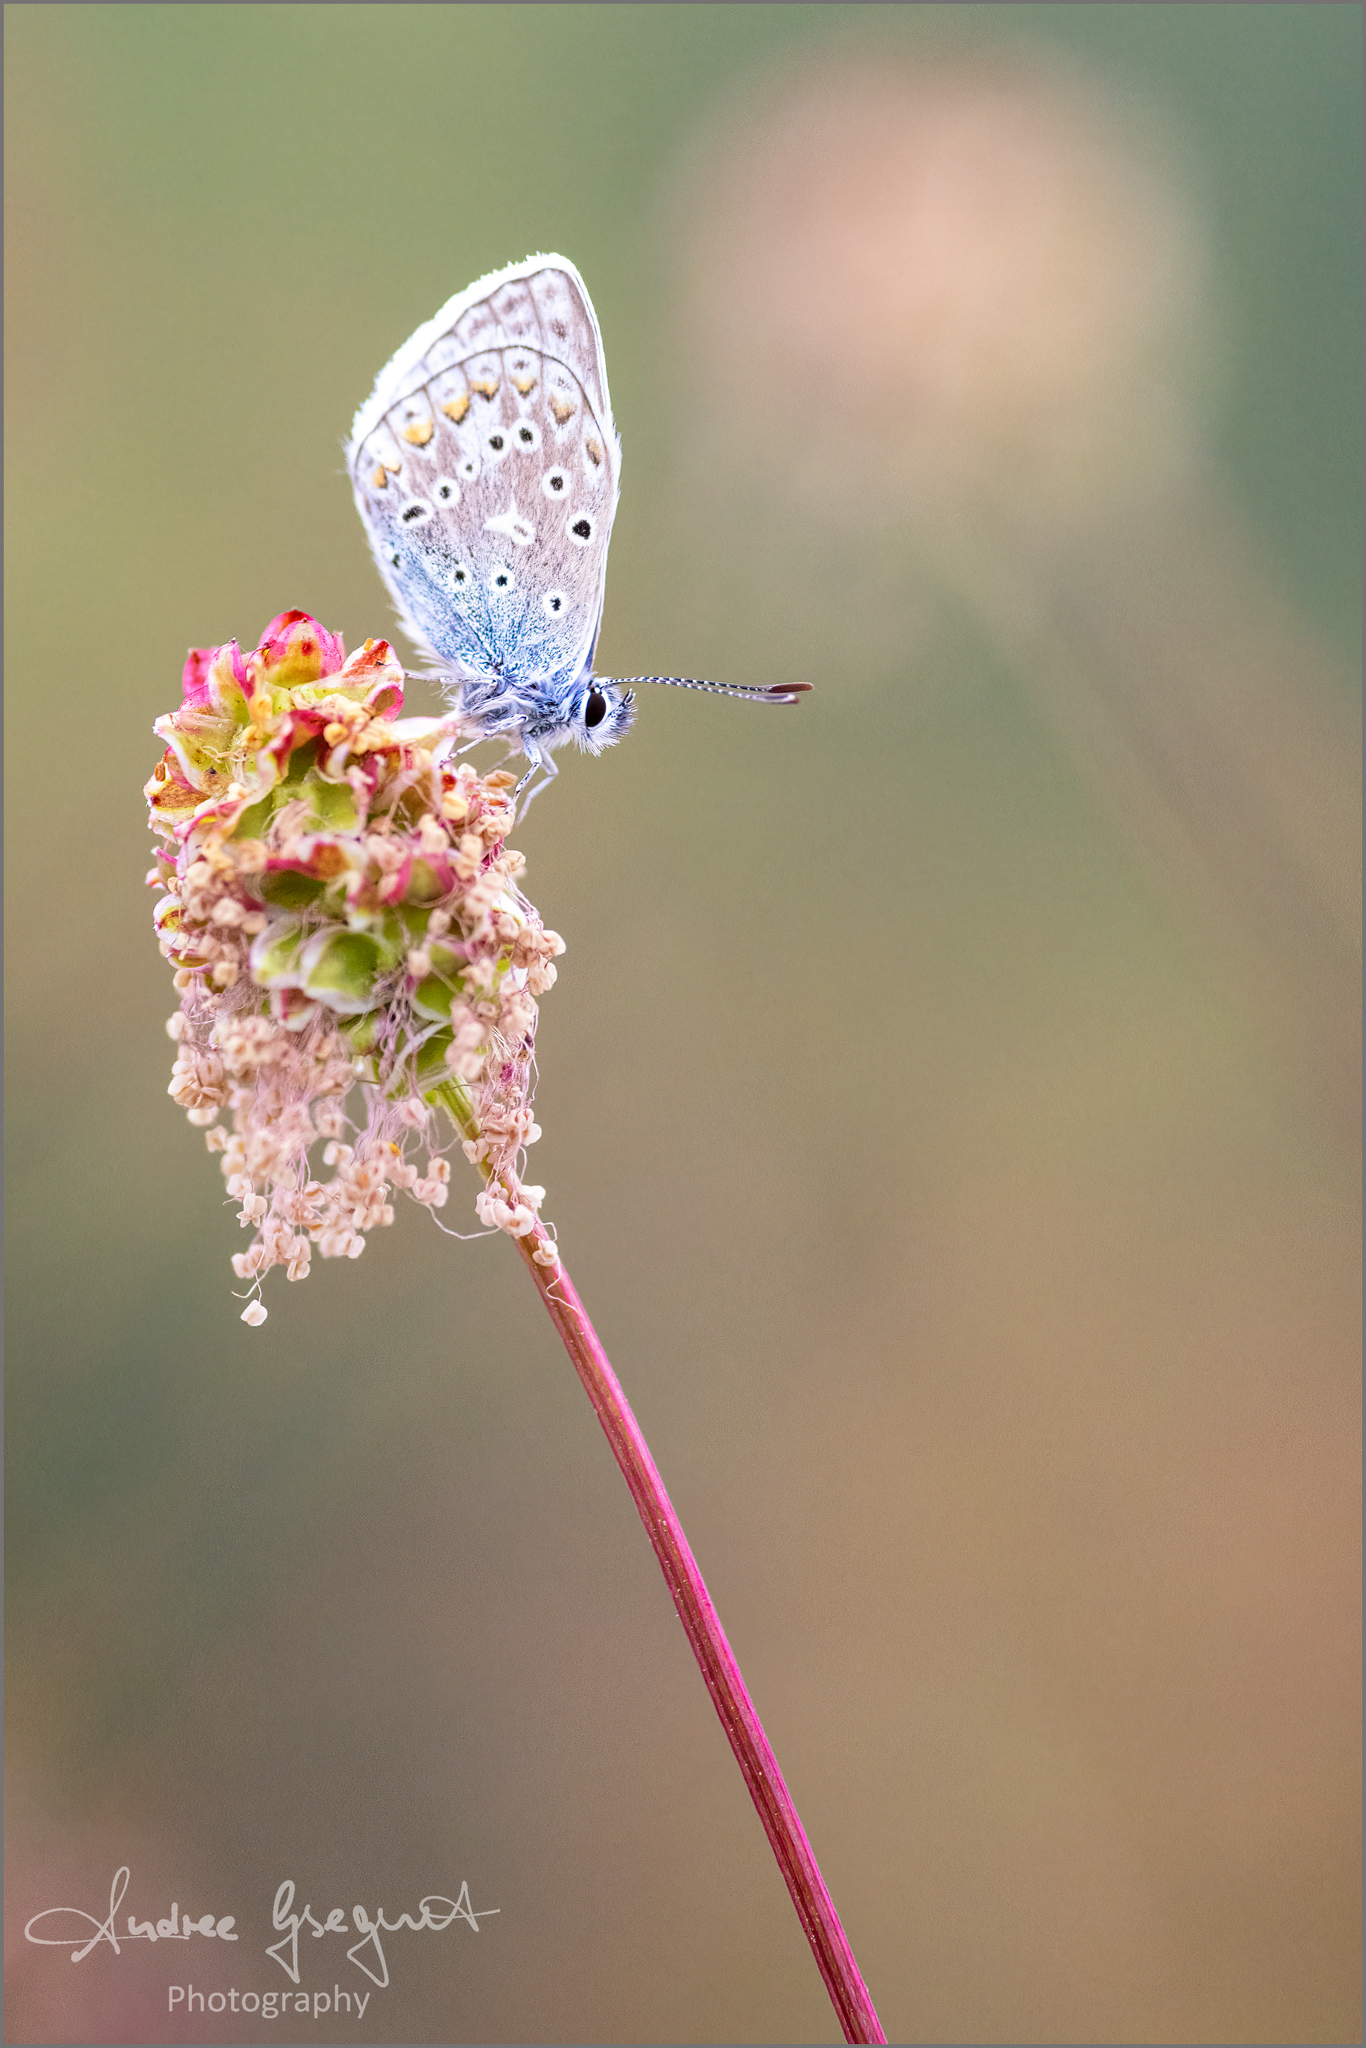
<point x="774" y="693"/>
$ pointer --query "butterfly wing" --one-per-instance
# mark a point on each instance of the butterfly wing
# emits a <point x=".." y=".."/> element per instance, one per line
<point x="486" y="470"/>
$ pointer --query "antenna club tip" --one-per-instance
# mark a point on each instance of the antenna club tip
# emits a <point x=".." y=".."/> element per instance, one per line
<point x="787" y="693"/>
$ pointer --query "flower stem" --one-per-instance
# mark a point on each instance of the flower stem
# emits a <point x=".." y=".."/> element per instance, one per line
<point x="701" y="1623"/>
<point x="730" y="1697"/>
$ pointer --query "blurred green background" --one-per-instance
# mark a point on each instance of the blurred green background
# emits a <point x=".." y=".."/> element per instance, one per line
<point x="947" y="1092"/>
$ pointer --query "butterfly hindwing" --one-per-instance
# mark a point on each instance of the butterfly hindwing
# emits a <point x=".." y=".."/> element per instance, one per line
<point x="486" y="470"/>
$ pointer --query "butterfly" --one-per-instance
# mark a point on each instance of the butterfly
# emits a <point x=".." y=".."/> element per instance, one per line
<point x="486" y="469"/>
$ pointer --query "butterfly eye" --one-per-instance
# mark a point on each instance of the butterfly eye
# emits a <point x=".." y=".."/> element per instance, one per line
<point x="446" y="490"/>
<point x="555" y="604"/>
<point x="527" y="435"/>
<point x="594" y="709"/>
<point x="580" y="530"/>
<point x="555" y="483"/>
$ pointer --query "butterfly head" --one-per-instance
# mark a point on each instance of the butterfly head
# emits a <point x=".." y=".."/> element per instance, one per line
<point x="601" y="713"/>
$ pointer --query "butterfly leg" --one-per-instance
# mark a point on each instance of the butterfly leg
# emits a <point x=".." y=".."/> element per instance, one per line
<point x="483" y="739"/>
<point x="542" y="765"/>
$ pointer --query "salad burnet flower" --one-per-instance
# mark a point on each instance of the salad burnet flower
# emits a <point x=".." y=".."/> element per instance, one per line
<point x="350" y="946"/>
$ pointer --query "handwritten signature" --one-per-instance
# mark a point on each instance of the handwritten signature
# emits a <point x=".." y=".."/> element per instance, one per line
<point x="172" y="1928"/>
<point x="434" y="1913"/>
<point x="368" y="1926"/>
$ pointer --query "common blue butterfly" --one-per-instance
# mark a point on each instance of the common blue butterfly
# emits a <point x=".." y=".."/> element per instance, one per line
<point x="486" y="470"/>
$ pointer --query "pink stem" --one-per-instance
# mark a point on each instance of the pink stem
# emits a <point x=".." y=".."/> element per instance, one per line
<point x="744" y="1731"/>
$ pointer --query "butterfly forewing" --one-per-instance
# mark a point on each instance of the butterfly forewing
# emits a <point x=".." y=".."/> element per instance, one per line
<point x="485" y="467"/>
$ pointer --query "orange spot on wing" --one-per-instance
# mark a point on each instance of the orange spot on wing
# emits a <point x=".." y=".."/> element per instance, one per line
<point x="456" y="408"/>
<point x="419" y="433"/>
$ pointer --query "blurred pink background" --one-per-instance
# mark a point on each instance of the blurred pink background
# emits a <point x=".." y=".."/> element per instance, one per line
<point x="950" y="1091"/>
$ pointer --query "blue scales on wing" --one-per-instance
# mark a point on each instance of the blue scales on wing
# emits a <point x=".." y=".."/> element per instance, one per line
<point x="486" y="470"/>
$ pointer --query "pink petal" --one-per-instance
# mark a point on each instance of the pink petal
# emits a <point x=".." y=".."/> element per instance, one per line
<point x="194" y="683"/>
<point x="296" y="649"/>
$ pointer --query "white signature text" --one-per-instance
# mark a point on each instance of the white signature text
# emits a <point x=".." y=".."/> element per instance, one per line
<point x="172" y="1928"/>
<point x="433" y="1914"/>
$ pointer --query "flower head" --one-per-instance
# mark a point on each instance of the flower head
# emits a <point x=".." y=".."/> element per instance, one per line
<point x="350" y="946"/>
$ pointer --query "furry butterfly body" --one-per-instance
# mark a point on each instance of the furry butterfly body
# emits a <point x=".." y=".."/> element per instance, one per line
<point x="486" y="469"/>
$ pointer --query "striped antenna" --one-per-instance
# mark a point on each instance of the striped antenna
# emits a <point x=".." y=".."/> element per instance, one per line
<point x="774" y="693"/>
